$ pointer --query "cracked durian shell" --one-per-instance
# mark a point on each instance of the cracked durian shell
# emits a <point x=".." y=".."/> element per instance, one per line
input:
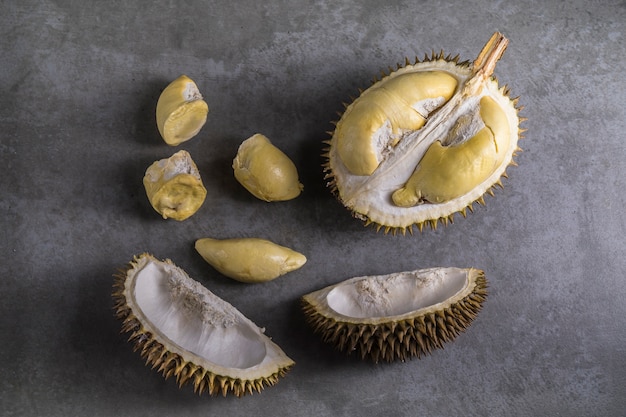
<point x="184" y="330"/>
<point x="396" y="316"/>
<point x="424" y="142"/>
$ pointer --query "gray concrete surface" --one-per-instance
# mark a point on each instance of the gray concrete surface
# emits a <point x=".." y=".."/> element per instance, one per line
<point x="78" y="87"/>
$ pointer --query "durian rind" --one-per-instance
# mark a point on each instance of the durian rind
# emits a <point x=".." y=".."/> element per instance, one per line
<point x="397" y="337"/>
<point x="172" y="360"/>
<point x="370" y="201"/>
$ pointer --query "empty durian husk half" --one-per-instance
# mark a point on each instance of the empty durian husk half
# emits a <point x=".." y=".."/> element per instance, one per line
<point x="185" y="331"/>
<point x="399" y="315"/>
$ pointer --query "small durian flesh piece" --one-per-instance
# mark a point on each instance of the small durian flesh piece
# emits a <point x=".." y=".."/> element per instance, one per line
<point x="180" y="112"/>
<point x="174" y="187"/>
<point x="394" y="171"/>
<point x="185" y="331"/>
<point x="250" y="260"/>
<point x="399" y="315"/>
<point x="265" y="171"/>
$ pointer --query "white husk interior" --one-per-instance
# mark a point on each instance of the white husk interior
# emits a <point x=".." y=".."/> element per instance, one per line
<point x="191" y="92"/>
<point x="370" y="196"/>
<point x="199" y="326"/>
<point x="393" y="296"/>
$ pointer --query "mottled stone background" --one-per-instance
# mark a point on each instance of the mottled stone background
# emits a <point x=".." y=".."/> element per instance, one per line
<point x="78" y="88"/>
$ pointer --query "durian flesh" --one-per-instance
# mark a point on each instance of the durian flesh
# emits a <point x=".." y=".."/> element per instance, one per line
<point x="184" y="330"/>
<point x="250" y="260"/>
<point x="399" y="315"/>
<point x="425" y="142"/>
<point x="174" y="187"/>
<point x="265" y="171"/>
<point x="180" y="112"/>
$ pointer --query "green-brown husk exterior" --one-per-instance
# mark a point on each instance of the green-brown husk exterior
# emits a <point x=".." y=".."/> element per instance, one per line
<point x="403" y="339"/>
<point x="171" y="364"/>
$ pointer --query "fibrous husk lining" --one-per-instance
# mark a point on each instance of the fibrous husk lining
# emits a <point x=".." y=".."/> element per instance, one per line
<point x="399" y="340"/>
<point x="331" y="183"/>
<point x="171" y="364"/>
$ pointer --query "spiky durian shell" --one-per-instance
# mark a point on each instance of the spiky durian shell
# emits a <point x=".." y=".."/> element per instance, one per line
<point x="401" y="337"/>
<point x="172" y="364"/>
<point x="444" y="61"/>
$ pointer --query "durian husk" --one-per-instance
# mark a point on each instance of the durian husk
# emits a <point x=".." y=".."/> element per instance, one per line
<point x="171" y="360"/>
<point x="465" y="70"/>
<point x="397" y="337"/>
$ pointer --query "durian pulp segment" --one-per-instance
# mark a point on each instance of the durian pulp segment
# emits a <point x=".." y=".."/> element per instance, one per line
<point x="250" y="260"/>
<point x="181" y="112"/>
<point x="265" y="171"/>
<point x="455" y="165"/>
<point x="376" y="122"/>
<point x="202" y="329"/>
<point x="174" y="187"/>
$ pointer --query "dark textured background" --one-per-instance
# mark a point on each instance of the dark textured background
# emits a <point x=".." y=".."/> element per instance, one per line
<point x="78" y="88"/>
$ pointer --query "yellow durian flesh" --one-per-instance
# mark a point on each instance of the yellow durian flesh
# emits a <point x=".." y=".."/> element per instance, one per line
<point x="402" y="190"/>
<point x="250" y="260"/>
<point x="387" y="110"/>
<point x="396" y="316"/>
<point x="450" y="171"/>
<point x="265" y="171"/>
<point x="174" y="187"/>
<point x="185" y="331"/>
<point x="180" y="112"/>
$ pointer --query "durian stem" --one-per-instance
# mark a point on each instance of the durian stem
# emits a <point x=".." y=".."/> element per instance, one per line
<point x="485" y="62"/>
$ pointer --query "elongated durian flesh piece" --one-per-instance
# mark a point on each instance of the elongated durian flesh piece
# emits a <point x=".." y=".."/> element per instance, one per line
<point x="399" y="315"/>
<point x="185" y="331"/>
<point x="250" y="260"/>
<point x="174" y="187"/>
<point x="450" y="171"/>
<point x="266" y="171"/>
<point x="377" y="121"/>
<point x="181" y="111"/>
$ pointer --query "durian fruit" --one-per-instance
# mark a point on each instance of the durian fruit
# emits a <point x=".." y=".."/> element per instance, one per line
<point x="265" y="171"/>
<point x="425" y="141"/>
<point x="399" y="315"/>
<point x="174" y="187"/>
<point x="250" y="260"/>
<point x="180" y="112"/>
<point x="185" y="331"/>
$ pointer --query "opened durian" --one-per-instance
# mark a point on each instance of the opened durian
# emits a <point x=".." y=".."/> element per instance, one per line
<point x="184" y="330"/>
<point x="399" y="315"/>
<point x="424" y="142"/>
